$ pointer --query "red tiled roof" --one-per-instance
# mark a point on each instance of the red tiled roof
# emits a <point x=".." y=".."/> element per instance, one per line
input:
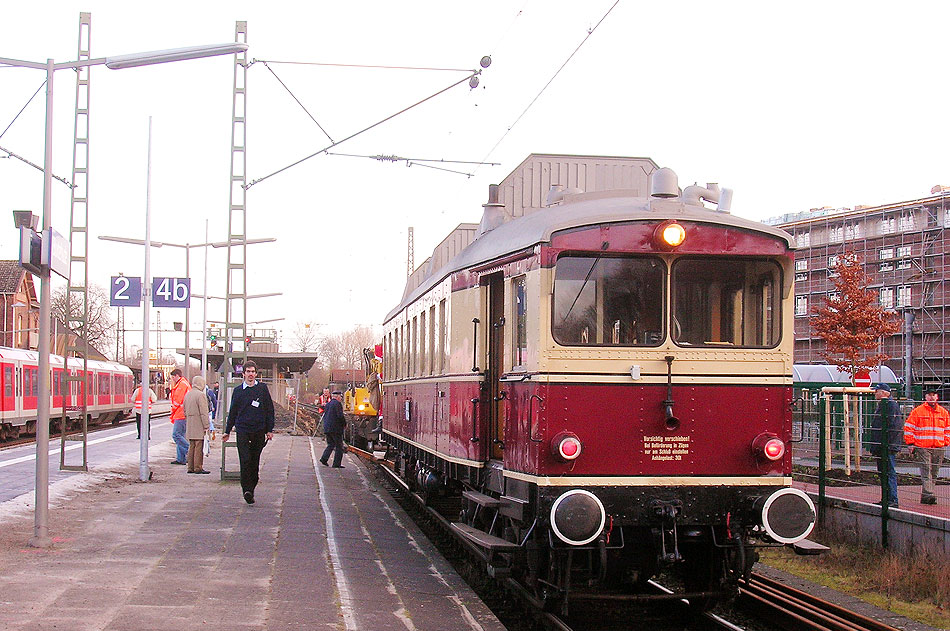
<point x="11" y="274"/>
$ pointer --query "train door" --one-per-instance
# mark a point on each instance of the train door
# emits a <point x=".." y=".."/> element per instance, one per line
<point x="30" y="387"/>
<point x="496" y="354"/>
<point x="91" y="389"/>
<point x="7" y="397"/>
<point x="105" y="389"/>
<point x="57" y="390"/>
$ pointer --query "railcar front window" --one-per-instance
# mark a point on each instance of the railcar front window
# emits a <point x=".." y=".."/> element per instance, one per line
<point x="601" y="301"/>
<point x="722" y="302"/>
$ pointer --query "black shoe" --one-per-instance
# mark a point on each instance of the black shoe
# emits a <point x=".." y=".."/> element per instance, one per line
<point x="338" y="466"/>
<point x="176" y="462"/>
<point x="248" y="497"/>
<point x="201" y="471"/>
<point x="325" y="463"/>
<point x="192" y="472"/>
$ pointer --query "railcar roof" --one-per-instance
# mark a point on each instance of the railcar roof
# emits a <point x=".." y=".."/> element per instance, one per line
<point x="538" y="227"/>
<point x="21" y="354"/>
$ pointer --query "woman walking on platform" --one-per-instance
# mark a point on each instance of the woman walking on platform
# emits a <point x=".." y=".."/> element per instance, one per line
<point x="196" y="415"/>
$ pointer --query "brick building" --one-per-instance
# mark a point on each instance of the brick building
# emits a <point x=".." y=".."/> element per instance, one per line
<point x="20" y="307"/>
<point x="904" y="250"/>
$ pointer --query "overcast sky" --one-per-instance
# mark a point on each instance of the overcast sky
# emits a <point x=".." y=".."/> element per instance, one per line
<point x="829" y="104"/>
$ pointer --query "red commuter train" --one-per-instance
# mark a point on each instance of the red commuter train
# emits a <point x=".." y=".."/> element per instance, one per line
<point x="606" y="383"/>
<point x="108" y="397"/>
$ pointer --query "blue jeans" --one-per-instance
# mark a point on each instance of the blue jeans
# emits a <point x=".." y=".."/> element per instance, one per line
<point x="886" y="468"/>
<point x="178" y="435"/>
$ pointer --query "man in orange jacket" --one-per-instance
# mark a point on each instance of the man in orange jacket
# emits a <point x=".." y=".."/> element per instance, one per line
<point x="179" y="389"/>
<point x="926" y="431"/>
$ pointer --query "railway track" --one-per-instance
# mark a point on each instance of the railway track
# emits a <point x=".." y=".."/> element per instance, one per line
<point x="769" y="604"/>
<point x="28" y="439"/>
<point x="795" y="610"/>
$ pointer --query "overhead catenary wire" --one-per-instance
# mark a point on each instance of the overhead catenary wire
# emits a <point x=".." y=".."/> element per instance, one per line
<point x="10" y="154"/>
<point x="422" y="162"/>
<point x="551" y="80"/>
<point x="474" y="73"/>
<point x="294" y="97"/>
<point x="367" y="66"/>
<point x="25" y="105"/>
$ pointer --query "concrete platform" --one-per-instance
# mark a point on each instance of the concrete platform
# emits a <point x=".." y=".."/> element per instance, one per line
<point x="321" y="548"/>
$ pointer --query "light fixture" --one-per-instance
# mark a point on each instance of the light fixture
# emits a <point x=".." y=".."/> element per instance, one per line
<point x="566" y="446"/>
<point x="669" y="235"/>
<point x="119" y="62"/>
<point x="768" y="447"/>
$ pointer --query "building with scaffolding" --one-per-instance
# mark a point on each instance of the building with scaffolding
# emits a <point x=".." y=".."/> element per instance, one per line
<point x="903" y="247"/>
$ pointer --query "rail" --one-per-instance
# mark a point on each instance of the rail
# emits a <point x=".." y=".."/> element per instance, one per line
<point x="795" y="610"/>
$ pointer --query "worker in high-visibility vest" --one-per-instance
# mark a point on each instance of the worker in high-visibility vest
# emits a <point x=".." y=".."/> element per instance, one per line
<point x="137" y="404"/>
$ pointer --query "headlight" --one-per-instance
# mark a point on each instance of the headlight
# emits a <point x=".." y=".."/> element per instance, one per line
<point x="788" y="515"/>
<point x="669" y="235"/>
<point x="577" y="517"/>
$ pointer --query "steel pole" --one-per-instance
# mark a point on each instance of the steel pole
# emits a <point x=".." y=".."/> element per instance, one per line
<point x="188" y="317"/>
<point x="41" y="538"/>
<point x="144" y="474"/>
<point x="204" y="314"/>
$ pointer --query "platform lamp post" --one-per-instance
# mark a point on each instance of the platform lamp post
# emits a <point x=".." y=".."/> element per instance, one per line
<point x="41" y="538"/>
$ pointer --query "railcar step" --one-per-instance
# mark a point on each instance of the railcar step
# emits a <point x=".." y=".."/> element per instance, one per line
<point x="809" y="547"/>
<point x="481" y="499"/>
<point x="483" y="539"/>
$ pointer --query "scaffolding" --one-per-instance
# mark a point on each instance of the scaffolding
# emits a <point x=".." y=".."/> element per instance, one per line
<point x="903" y="247"/>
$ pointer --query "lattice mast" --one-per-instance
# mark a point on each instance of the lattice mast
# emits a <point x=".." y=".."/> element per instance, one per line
<point x="235" y="327"/>
<point x="78" y="282"/>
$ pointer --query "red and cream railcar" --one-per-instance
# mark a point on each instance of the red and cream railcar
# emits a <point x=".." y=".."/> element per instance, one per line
<point x="610" y="374"/>
<point x="107" y="390"/>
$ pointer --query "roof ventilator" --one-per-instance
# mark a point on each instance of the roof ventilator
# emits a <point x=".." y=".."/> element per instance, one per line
<point x="494" y="214"/>
<point x="695" y="195"/>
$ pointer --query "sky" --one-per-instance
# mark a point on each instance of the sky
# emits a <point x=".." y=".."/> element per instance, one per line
<point x="794" y="106"/>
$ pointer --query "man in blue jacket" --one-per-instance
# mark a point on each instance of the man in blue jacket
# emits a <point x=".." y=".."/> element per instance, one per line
<point x="333" y="424"/>
<point x="885" y="440"/>
<point x="252" y="414"/>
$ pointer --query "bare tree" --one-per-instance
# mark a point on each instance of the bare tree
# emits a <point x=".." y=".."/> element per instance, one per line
<point x="304" y="338"/>
<point x="346" y="349"/>
<point x="100" y="324"/>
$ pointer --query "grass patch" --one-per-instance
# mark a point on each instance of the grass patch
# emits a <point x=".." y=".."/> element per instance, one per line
<point x="916" y="586"/>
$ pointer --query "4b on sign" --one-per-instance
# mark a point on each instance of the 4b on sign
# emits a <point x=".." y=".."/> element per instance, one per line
<point x="171" y="292"/>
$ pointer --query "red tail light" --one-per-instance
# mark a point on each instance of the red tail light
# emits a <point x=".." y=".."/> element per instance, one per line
<point x="566" y="446"/>
<point x="769" y="447"/>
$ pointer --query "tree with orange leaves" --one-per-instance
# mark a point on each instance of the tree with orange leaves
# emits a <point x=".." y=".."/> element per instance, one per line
<point x="852" y="322"/>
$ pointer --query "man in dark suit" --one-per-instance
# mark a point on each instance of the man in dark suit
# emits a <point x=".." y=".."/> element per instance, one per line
<point x="252" y="415"/>
<point x="333" y="424"/>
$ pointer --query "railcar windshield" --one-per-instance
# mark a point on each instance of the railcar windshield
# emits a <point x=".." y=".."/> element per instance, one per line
<point x="726" y="302"/>
<point x="609" y="301"/>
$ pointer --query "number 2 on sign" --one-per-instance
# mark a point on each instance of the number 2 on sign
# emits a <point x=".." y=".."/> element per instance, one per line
<point x="120" y="293"/>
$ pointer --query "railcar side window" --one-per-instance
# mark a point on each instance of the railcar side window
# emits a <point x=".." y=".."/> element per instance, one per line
<point x="726" y="302"/>
<point x="8" y="381"/>
<point x="443" y="337"/>
<point x="602" y="301"/>
<point x="520" y="347"/>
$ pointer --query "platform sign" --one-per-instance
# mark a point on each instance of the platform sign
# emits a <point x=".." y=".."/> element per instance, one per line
<point x="125" y="291"/>
<point x="171" y="292"/>
<point x="862" y="379"/>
